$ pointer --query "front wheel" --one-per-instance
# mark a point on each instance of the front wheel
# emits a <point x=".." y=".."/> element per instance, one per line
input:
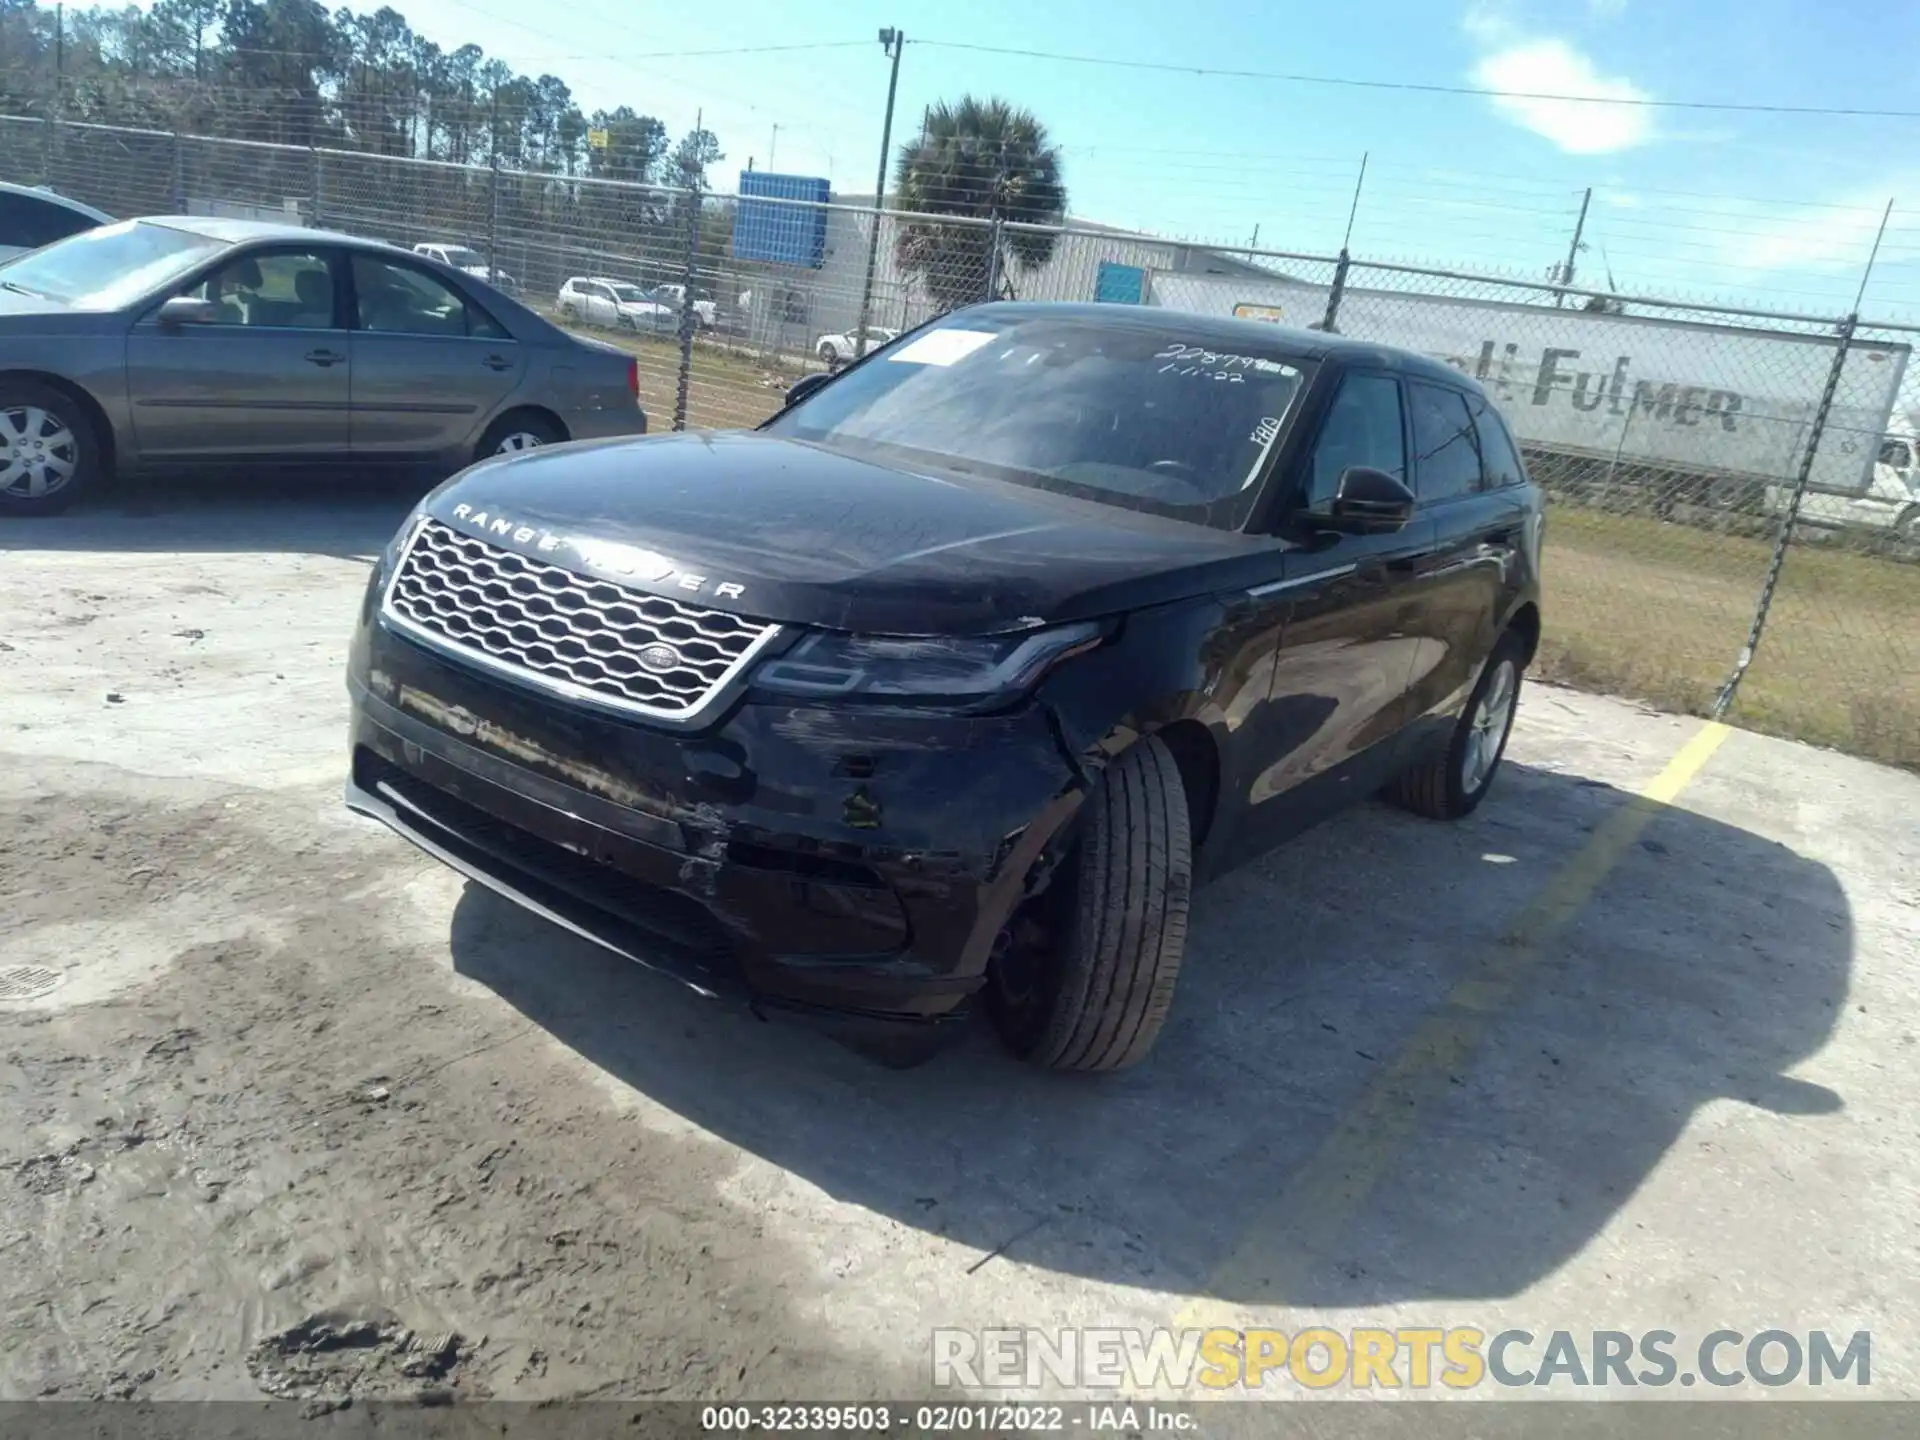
<point x="1095" y="998"/>
<point x="49" y="453"/>
<point x="1451" y="784"/>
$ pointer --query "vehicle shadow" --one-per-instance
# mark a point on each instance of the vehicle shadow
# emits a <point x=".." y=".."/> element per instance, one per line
<point x="1707" y="963"/>
<point x="351" y="516"/>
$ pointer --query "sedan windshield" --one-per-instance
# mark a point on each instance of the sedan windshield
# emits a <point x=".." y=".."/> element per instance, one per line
<point x="629" y="294"/>
<point x="110" y="267"/>
<point x="1113" y="410"/>
<point x="461" y="255"/>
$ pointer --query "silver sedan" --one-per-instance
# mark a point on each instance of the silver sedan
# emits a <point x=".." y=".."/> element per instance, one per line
<point x="186" y="343"/>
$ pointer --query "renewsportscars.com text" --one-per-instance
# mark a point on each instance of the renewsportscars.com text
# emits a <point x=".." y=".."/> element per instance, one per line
<point x="1416" y="1358"/>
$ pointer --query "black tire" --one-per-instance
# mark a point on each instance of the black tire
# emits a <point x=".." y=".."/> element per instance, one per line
<point x="1438" y="787"/>
<point x="542" y="429"/>
<point x="1102" y="994"/>
<point x="51" y="413"/>
<point x="830" y="354"/>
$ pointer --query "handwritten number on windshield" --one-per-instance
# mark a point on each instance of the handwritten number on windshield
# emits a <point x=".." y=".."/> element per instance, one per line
<point x="1214" y="364"/>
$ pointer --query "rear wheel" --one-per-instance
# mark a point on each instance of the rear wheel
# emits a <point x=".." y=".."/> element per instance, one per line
<point x="523" y="430"/>
<point x="1089" y="983"/>
<point x="49" y="453"/>
<point x="1451" y="784"/>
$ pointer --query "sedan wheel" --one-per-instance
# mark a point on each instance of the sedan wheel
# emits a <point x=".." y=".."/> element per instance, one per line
<point x="39" y="452"/>
<point x="518" y="440"/>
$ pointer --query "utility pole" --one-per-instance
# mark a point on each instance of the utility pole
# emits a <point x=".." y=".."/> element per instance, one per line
<point x="1354" y="209"/>
<point x="1873" y="254"/>
<point x="893" y="42"/>
<point x="773" y="144"/>
<point x="1573" y="250"/>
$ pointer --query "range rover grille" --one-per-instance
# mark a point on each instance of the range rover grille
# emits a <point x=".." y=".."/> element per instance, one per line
<point x="570" y="633"/>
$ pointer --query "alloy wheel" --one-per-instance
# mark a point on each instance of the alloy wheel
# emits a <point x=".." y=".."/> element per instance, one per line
<point x="39" y="452"/>
<point x="1487" y="730"/>
<point x="518" y="440"/>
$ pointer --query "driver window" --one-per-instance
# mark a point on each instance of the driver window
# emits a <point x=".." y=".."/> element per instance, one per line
<point x="1362" y="428"/>
<point x="286" y="290"/>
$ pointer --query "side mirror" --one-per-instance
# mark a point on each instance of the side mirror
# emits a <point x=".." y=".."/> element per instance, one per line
<point x="187" y="310"/>
<point x="805" y="386"/>
<point x="1369" y="502"/>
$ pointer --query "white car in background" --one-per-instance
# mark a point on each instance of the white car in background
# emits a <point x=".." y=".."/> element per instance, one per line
<point x="614" y="304"/>
<point x="468" y="261"/>
<point x="705" y="313"/>
<point x="837" y="349"/>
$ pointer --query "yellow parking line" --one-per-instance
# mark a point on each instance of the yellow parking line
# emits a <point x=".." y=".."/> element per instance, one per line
<point x="1322" y="1196"/>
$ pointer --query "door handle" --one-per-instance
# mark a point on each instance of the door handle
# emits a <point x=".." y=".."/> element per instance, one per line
<point x="324" y="358"/>
<point x="497" y="362"/>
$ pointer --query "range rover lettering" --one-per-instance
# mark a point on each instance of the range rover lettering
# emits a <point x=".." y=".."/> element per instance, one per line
<point x="945" y="687"/>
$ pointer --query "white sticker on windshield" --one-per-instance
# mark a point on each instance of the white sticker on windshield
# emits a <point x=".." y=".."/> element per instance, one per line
<point x="1265" y="431"/>
<point x="943" y="347"/>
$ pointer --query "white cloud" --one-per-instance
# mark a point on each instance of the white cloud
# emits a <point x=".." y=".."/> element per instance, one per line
<point x="1579" y="127"/>
<point x="1836" y="238"/>
<point x="1490" y="22"/>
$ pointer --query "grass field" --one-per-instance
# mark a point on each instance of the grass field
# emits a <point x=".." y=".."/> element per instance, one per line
<point x="1635" y="606"/>
<point x="1661" y="612"/>
<point x="726" y="389"/>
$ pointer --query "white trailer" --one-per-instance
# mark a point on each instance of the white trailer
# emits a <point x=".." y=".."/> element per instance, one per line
<point x="1678" y="396"/>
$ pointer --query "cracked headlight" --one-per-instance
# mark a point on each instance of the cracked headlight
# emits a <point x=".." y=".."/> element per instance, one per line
<point x="975" y="674"/>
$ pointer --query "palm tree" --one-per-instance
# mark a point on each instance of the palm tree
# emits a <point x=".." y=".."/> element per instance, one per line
<point x="989" y="162"/>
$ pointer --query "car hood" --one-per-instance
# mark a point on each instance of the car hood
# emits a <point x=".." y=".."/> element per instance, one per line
<point x="35" y="315"/>
<point x="792" y="532"/>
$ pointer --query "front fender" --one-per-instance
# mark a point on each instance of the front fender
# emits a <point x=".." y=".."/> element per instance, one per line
<point x="1166" y="665"/>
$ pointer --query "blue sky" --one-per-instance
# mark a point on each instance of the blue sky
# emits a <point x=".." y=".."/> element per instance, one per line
<point x="1773" y="211"/>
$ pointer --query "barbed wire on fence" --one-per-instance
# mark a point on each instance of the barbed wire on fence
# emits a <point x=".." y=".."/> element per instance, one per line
<point x="1734" y="500"/>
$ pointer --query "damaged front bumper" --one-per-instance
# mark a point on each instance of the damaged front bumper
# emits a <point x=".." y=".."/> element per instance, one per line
<point x="854" y="866"/>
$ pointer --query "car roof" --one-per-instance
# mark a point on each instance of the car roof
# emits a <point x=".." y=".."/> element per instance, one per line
<point x="54" y="197"/>
<point x="1222" y="332"/>
<point x="242" y="232"/>
<point x="236" y="232"/>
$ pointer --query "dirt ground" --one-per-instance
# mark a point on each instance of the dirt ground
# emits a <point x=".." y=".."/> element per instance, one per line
<point x="288" y="1109"/>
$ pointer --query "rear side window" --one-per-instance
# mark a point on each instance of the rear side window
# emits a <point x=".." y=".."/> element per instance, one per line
<point x="1498" y="458"/>
<point x="1363" y="428"/>
<point x="1446" y="457"/>
<point x="400" y="300"/>
<point x="31" y="223"/>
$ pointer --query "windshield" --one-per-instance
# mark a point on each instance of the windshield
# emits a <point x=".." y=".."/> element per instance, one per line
<point x="461" y="255"/>
<point x="1110" y="409"/>
<point x="628" y="294"/>
<point x="110" y="267"/>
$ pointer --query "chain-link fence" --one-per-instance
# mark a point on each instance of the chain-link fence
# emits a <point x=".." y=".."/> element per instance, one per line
<point x="1734" y="495"/>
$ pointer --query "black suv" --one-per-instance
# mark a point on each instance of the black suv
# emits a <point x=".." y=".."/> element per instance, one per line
<point x="948" y="683"/>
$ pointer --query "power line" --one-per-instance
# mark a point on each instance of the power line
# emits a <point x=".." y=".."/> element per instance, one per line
<point x="1425" y="88"/>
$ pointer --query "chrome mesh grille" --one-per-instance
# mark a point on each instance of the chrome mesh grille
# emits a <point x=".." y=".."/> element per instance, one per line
<point x="567" y="631"/>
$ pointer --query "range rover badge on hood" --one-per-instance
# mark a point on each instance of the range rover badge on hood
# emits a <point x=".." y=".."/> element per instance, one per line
<point x="629" y="562"/>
